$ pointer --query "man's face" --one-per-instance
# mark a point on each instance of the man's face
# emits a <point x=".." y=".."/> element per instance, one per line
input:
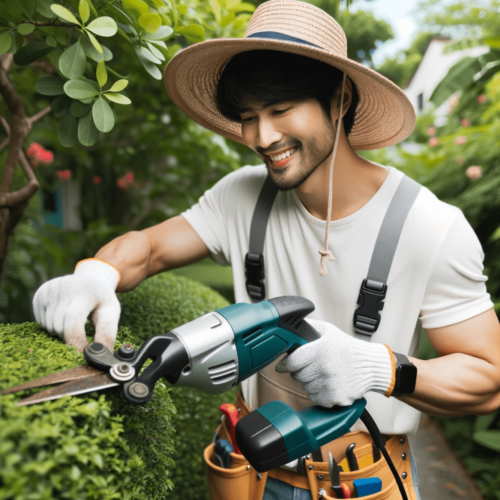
<point x="293" y="139"/>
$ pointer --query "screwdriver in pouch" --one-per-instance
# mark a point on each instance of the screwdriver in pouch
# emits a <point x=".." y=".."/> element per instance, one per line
<point x="340" y="489"/>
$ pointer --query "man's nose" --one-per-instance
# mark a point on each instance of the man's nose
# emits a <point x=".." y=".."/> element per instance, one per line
<point x="268" y="134"/>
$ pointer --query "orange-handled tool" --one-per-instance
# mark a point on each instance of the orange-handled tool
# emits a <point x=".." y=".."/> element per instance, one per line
<point x="231" y="413"/>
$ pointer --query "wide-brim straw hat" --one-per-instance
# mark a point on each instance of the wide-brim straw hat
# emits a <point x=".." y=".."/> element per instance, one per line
<point x="384" y="115"/>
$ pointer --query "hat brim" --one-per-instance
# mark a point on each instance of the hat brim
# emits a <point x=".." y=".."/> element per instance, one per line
<point x="384" y="115"/>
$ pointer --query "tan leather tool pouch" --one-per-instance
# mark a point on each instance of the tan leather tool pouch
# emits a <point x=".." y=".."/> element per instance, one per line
<point x="240" y="482"/>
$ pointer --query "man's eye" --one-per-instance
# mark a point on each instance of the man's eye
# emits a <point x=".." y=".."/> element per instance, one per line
<point x="247" y="119"/>
<point x="280" y="111"/>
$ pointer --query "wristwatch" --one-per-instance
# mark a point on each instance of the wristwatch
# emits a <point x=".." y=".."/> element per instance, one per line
<point x="406" y="375"/>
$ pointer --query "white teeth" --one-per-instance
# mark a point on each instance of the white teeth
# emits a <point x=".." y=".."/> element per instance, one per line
<point x="284" y="155"/>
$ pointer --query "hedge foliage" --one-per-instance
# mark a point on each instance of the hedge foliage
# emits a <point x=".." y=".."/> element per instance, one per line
<point x="83" y="447"/>
<point x="96" y="446"/>
<point x="156" y="306"/>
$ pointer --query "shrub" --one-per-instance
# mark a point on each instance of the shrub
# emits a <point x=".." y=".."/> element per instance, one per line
<point x="156" y="306"/>
<point x="93" y="446"/>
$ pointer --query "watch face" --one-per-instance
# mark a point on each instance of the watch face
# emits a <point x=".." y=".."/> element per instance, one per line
<point x="406" y="375"/>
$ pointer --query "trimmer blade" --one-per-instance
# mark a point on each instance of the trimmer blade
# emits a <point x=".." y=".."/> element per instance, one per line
<point x="55" y="378"/>
<point x="73" y="388"/>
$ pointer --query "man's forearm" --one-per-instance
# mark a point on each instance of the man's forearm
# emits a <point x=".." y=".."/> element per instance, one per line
<point x="455" y="385"/>
<point x="130" y="254"/>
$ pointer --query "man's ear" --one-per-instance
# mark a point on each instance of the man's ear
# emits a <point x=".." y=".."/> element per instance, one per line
<point x="348" y="96"/>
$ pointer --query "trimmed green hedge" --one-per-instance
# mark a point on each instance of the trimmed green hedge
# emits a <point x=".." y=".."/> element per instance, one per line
<point x="93" y="446"/>
<point x="96" y="446"/>
<point x="156" y="306"/>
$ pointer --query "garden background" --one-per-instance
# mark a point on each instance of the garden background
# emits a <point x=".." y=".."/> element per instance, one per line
<point x="83" y="105"/>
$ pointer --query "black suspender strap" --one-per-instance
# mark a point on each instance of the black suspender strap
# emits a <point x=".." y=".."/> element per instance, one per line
<point x="254" y="259"/>
<point x="374" y="287"/>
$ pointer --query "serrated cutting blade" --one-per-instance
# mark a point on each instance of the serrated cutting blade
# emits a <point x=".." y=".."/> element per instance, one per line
<point x="88" y="384"/>
<point x="55" y="378"/>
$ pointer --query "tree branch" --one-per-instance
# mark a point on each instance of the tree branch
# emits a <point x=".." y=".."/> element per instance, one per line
<point x="33" y="119"/>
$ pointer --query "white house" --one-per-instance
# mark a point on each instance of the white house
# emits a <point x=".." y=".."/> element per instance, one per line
<point x="431" y="70"/>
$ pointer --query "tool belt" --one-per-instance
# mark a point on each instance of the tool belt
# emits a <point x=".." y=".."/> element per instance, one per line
<point x="242" y="482"/>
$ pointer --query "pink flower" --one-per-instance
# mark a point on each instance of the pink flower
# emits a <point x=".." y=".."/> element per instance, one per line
<point x="433" y="142"/>
<point x="481" y="98"/>
<point x="64" y="174"/>
<point x="431" y="131"/>
<point x="465" y="122"/>
<point x="474" y="172"/>
<point x="126" y="181"/>
<point x="96" y="179"/>
<point x="460" y="160"/>
<point x="452" y="102"/>
<point x="461" y="139"/>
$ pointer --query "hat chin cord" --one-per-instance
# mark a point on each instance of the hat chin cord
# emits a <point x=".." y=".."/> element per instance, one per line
<point x="326" y="254"/>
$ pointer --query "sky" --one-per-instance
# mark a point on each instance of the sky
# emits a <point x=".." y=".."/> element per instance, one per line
<point x="398" y="13"/>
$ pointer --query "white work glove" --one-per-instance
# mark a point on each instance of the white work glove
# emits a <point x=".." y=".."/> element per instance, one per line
<point x="338" y="369"/>
<point x="62" y="305"/>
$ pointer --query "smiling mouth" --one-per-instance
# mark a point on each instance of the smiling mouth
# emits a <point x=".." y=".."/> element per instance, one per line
<point x="281" y="159"/>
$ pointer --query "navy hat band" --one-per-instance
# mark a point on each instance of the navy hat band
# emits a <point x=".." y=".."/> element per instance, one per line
<point x="274" y="35"/>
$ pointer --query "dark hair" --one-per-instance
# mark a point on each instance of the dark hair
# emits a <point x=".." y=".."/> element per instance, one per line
<point x="270" y="76"/>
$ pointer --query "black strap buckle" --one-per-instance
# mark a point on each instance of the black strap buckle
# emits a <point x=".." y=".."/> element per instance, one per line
<point x="254" y="271"/>
<point x="370" y="302"/>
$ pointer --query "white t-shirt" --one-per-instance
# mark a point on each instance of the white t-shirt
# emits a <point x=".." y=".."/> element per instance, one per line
<point x="436" y="277"/>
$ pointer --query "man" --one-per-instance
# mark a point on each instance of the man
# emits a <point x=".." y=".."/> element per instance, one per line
<point x="289" y="92"/>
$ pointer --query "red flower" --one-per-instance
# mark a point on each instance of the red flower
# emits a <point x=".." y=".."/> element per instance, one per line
<point x="461" y="139"/>
<point x="38" y="154"/>
<point x="465" y="122"/>
<point x="64" y="174"/>
<point x="433" y="142"/>
<point x="126" y="181"/>
<point x="481" y="98"/>
<point x="431" y="131"/>
<point x="474" y="172"/>
<point x="460" y="160"/>
<point x="96" y="179"/>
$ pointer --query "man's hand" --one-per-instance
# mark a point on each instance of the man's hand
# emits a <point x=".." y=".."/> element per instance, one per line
<point x="338" y="369"/>
<point x="62" y="305"/>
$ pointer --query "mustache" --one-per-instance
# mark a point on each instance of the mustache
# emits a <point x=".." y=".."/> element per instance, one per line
<point x="274" y="148"/>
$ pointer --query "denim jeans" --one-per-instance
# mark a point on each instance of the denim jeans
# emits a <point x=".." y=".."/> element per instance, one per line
<point x="278" y="490"/>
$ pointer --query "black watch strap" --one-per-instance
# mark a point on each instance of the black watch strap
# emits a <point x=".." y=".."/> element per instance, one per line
<point x="406" y="375"/>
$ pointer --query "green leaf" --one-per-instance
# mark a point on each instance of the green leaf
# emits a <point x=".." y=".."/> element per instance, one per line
<point x="60" y="105"/>
<point x="73" y="62"/>
<point x="193" y="32"/>
<point x="26" y="29"/>
<point x="5" y="42"/>
<point x="84" y="10"/>
<point x="227" y="19"/>
<point x="118" y="98"/>
<point x="148" y="55"/>
<point x="68" y="130"/>
<point x="61" y="37"/>
<point x="78" y="109"/>
<point x="156" y="52"/>
<point x="50" y="40"/>
<point x="104" y="118"/>
<point x="150" y="22"/>
<point x="31" y="53"/>
<point x="95" y="43"/>
<point x="50" y="85"/>
<point x="216" y="9"/>
<point x="135" y="8"/>
<point x="88" y="134"/>
<point x="149" y="66"/>
<point x="78" y="89"/>
<point x="64" y="14"/>
<point x="43" y="8"/>
<point x="101" y="74"/>
<point x="489" y="439"/>
<point x="243" y="7"/>
<point x="482" y="422"/>
<point x="103" y="26"/>
<point x="105" y="55"/>
<point x="162" y="34"/>
<point x="119" y="85"/>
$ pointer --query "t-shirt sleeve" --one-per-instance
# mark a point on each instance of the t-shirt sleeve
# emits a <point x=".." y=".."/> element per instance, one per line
<point x="208" y="219"/>
<point x="456" y="288"/>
